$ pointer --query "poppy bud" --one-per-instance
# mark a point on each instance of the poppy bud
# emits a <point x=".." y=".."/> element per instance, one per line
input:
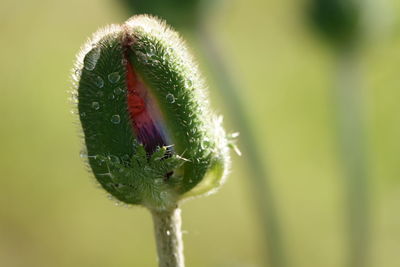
<point x="337" y="20"/>
<point x="150" y="136"/>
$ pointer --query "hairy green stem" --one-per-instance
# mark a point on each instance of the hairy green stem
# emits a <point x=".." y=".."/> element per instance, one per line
<point x="350" y="124"/>
<point x="168" y="234"/>
<point x="262" y="192"/>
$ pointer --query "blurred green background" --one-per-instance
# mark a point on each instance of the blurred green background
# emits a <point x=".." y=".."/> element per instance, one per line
<point x="53" y="214"/>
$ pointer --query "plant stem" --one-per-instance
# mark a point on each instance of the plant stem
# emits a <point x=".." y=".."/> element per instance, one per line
<point x="263" y="195"/>
<point x="167" y="230"/>
<point x="350" y="124"/>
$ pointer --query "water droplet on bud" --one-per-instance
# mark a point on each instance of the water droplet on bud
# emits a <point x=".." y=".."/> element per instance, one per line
<point x="115" y="119"/>
<point x="99" y="82"/>
<point x="114" y="77"/>
<point x="96" y="105"/>
<point x="92" y="58"/>
<point x="118" y="90"/>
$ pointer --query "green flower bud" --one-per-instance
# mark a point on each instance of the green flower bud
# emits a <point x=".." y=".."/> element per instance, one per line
<point x="337" y="20"/>
<point x="150" y="136"/>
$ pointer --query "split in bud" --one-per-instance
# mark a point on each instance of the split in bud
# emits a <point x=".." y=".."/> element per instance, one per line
<point x="150" y="136"/>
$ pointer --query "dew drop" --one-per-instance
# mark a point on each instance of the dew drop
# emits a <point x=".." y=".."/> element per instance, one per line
<point x="168" y="232"/>
<point x="96" y="105"/>
<point x="99" y="82"/>
<point x="170" y="98"/>
<point x="114" y="77"/>
<point x="115" y="119"/>
<point x="118" y="90"/>
<point x="158" y="181"/>
<point x="91" y="58"/>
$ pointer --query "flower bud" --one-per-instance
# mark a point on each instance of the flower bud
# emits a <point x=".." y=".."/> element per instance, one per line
<point x="337" y="20"/>
<point x="150" y="136"/>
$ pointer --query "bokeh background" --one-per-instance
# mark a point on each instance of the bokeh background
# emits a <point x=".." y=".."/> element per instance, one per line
<point x="52" y="213"/>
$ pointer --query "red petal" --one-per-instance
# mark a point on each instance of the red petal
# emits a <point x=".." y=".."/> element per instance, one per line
<point x="145" y="114"/>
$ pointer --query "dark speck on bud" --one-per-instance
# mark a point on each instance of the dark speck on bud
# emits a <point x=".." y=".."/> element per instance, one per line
<point x="150" y="136"/>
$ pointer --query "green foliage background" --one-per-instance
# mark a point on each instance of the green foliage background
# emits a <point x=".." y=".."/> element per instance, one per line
<point x="53" y="214"/>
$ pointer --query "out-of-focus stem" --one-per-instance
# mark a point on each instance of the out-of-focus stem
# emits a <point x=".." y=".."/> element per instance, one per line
<point x="167" y="230"/>
<point x="264" y="199"/>
<point x="350" y="124"/>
